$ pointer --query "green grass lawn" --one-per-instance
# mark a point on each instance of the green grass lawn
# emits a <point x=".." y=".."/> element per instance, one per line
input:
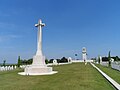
<point x="69" y="77"/>
<point x="111" y="72"/>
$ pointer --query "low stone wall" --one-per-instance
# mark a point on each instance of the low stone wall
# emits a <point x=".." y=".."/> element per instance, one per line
<point x="50" y="64"/>
<point x="75" y="61"/>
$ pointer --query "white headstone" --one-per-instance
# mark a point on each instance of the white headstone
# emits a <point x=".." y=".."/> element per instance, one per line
<point x="6" y="68"/>
<point x="112" y="60"/>
<point x="15" y="67"/>
<point x="69" y="60"/>
<point x="55" y="62"/>
<point x="12" y="67"/>
<point x="3" y="68"/>
<point x="9" y="68"/>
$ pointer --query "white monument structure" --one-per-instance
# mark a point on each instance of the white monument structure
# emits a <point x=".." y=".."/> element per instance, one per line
<point x="84" y="54"/>
<point x="38" y="66"/>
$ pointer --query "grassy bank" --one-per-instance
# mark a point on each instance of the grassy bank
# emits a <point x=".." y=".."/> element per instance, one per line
<point x="111" y="72"/>
<point x="69" y="77"/>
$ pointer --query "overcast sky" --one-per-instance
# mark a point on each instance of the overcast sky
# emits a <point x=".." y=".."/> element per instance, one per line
<point x="70" y="25"/>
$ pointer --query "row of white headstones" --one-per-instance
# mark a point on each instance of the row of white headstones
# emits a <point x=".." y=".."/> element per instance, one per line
<point x="7" y="68"/>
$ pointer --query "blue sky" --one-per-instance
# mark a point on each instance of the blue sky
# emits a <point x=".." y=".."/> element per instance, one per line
<point x="70" y="25"/>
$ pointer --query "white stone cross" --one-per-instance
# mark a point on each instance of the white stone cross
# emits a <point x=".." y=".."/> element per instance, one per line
<point x="38" y="66"/>
<point x="39" y="42"/>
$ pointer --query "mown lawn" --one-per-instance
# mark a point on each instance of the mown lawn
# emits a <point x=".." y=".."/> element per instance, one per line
<point x="69" y="77"/>
<point x="111" y="72"/>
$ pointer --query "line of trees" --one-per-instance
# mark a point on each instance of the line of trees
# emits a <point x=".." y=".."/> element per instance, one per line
<point x="116" y="58"/>
<point x="29" y="61"/>
<point x="24" y="62"/>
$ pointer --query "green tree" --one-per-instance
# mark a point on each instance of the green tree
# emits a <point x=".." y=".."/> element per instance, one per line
<point x="58" y="61"/>
<point x="19" y="61"/>
<point x="51" y="60"/>
<point x="4" y="62"/>
<point x="29" y="61"/>
<point x="117" y="58"/>
<point x="46" y="61"/>
<point x="109" y="59"/>
<point x="63" y="59"/>
<point x="98" y="59"/>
